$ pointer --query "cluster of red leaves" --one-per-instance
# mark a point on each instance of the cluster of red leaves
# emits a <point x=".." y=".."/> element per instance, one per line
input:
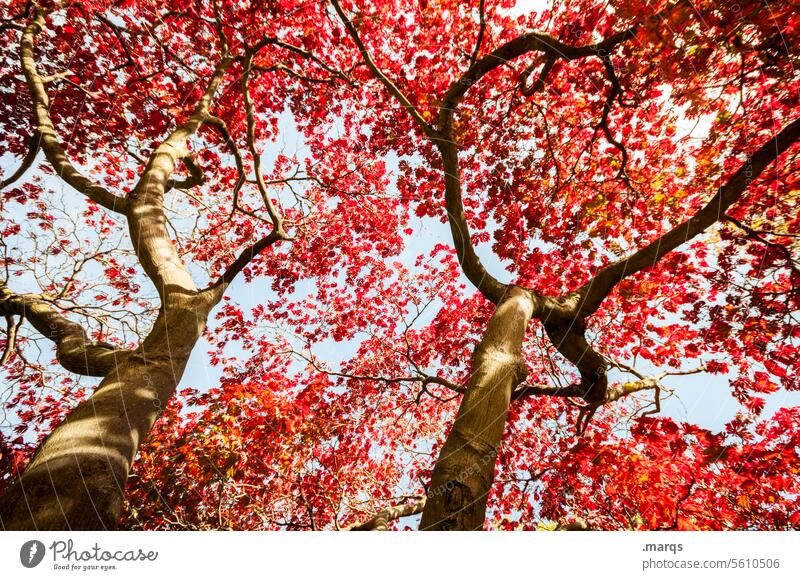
<point x="669" y="475"/>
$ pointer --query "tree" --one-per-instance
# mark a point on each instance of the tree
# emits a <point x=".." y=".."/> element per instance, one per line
<point x="630" y="167"/>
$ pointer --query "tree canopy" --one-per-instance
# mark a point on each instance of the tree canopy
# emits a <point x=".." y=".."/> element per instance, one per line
<point x="442" y="258"/>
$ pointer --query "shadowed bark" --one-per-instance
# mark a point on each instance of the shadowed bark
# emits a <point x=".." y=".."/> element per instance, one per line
<point x="74" y="351"/>
<point x="76" y="479"/>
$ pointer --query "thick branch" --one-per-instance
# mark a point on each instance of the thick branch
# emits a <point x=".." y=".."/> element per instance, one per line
<point x="471" y="264"/>
<point x="538" y="84"/>
<point x="74" y="351"/>
<point x="553" y="49"/>
<point x="528" y="390"/>
<point x="380" y="522"/>
<point x="570" y="340"/>
<point x="576" y="391"/>
<point x="48" y="138"/>
<point x="611" y="394"/>
<point x="30" y="157"/>
<point x="146" y="218"/>
<point x="592" y="294"/>
<point x="12" y="328"/>
<point x="196" y="176"/>
<point x="530" y="42"/>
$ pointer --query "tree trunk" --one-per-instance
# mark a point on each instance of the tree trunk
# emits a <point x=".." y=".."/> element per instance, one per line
<point x="76" y="479"/>
<point x="464" y="472"/>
